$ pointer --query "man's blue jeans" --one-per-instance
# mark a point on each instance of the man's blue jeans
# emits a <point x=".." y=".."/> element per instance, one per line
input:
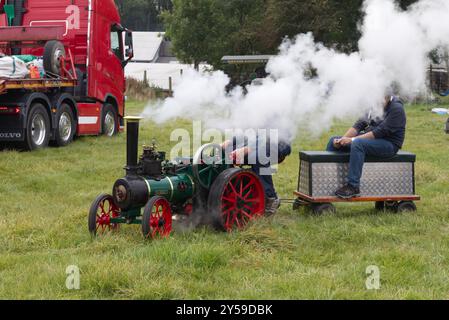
<point x="359" y="149"/>
<point x="284" y="150"/>
<point x="267" y="180"/>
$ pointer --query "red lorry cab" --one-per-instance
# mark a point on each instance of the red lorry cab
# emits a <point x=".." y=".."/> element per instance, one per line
<point x="99" y="48"/>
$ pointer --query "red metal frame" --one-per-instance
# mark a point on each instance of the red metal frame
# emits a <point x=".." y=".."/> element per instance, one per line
<point x="21" y="35"/>
<point x="64" y="71"/>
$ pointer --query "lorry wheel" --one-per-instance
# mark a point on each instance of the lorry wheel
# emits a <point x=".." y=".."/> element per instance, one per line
<point x="38" y="128"/>
<point x="109" y="122"/>
<point x="66" y="126"/>
<point x="235" y="198"/>
<point x="53" y="50"/>
<point x="157" y="218"/>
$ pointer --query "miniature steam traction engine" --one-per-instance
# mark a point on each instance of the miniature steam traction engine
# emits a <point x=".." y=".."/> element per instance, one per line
<point x="229" y="195"/>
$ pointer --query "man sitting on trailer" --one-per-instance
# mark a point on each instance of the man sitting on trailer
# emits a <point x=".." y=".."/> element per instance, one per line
<point x="377" y="137"/>
<point x="243" y="150"/>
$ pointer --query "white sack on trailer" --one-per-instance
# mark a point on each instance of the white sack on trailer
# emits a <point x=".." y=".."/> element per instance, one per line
<point x="13" y="68"/>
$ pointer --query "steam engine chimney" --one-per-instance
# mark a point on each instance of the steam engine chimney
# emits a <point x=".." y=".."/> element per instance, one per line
<point x="132" y="144"/>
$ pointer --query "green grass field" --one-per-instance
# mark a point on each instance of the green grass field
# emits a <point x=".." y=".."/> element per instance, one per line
<point x="45" y="197"/>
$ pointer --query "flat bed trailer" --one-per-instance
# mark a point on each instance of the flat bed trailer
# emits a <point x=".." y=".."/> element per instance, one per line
<point x="389" y="183"/>
<point x="35" y="84"/>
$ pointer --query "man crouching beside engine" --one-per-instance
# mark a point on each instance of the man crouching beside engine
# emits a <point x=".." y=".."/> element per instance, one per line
<point x="251" y="151"/>
<point x="378" y="137"/>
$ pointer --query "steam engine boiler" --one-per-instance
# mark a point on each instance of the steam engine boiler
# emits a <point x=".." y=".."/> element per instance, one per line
<point x="154" y="189"/>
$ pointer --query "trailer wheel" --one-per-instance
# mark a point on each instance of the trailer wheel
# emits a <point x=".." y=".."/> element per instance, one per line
<point x="391" y="206"/>
<point x="157" y="218"/>
<point x="101" y="212"/>
<point x="38" y="128"/>
<point x="322" y="208"/>
<point x="405" y="206"/>
<point x="65" y="126"/>
<point x="53" y="51"/>
<point x="109" y="121"/>
<point x="379" y="205"/>
<point x="235" y="198"/>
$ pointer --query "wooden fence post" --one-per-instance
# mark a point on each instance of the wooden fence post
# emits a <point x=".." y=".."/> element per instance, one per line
<point x="145" y="78"/>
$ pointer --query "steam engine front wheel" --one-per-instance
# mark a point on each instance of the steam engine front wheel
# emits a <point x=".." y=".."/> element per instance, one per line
<point x="101" y="212"/>
<point x="236" y="198"/>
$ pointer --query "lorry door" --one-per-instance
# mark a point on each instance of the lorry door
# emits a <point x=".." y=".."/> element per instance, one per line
<point x="106" y="54"/>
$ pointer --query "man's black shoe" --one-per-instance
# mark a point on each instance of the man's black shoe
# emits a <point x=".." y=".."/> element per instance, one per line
<point x="348" y="192"/>
<point x="271" y="206"/>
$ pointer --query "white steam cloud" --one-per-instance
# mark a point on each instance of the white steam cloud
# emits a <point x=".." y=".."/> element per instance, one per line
<point x="394" y="48"/>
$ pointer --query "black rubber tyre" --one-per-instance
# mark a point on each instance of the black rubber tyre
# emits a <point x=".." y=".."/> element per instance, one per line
<point x="447" y="126"/>
<point x="37" y="128"/>
<point x="322" y="208"/>
<point x="109" y="121"/>
<point x="53" y="50"/>
<point x="405" y="206"/>
<point x="157" y="218"/>
<point x="380" y="205"/>
<point x="65" y="126"/>
<point x="97" y="219"/>
<point x="253" y="201"/>
<point x="391" y="206"/>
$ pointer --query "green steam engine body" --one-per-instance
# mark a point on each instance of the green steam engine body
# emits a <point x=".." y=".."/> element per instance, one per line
<point x="155" y="189"/>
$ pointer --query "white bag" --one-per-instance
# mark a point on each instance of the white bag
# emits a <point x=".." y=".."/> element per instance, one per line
<point x="13" y="68"/>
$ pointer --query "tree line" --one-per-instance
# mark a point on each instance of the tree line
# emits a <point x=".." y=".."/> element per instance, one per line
<point x="206" y="30"/>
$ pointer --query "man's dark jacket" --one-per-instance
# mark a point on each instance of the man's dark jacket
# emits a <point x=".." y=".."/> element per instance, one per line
<point x="390" y="127"/>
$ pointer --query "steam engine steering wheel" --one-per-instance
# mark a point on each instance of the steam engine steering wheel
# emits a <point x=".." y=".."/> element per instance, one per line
<point x="208" y="162"/>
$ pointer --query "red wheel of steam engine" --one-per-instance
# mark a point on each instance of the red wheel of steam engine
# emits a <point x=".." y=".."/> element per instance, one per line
<point x="236" y="197"/>
<point x="101" y="212"/>
<point x="157" y="218"/>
